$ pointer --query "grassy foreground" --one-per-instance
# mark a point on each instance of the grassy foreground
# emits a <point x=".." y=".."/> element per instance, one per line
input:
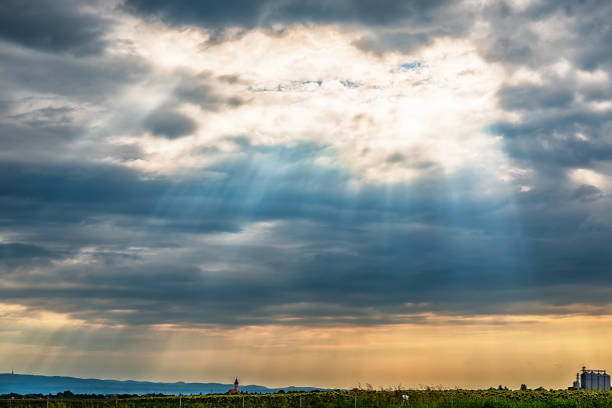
<point x="343" y="399"/>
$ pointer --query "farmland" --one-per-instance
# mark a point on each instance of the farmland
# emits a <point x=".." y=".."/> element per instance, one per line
<point x="341" y="399"/>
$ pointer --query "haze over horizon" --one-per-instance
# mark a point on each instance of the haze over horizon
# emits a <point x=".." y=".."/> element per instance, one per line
<point x="306" y="192"/>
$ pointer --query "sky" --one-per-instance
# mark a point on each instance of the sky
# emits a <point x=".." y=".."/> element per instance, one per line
<point x="322" y="193"/>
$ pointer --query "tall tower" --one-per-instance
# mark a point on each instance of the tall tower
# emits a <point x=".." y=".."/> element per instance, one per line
<point x="576" y="385"/>
<point x="236" y="384"/>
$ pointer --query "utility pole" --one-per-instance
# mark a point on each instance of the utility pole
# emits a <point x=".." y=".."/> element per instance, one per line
<point x="355" y="401"/>
<point x="300" y="401"/>
<point x="243" y="401"/>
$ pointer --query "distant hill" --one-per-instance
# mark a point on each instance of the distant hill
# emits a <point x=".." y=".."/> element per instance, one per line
<point x="41" y="384"/>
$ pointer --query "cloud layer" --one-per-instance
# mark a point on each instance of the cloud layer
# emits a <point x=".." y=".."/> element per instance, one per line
<point x="305" y="163"/>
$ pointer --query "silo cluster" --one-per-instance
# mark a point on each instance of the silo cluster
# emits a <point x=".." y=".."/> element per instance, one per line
<point x="594" y="380"/>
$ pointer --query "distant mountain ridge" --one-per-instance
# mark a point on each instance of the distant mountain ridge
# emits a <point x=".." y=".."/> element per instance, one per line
<point x="42" y="384"/>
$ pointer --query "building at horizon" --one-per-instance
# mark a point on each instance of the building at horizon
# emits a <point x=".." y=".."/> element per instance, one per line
<point x="592" y="380"/>
<point x="234" y="390"/>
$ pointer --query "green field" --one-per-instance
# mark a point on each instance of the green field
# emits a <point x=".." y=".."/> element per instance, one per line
<point x="343" y="399"/>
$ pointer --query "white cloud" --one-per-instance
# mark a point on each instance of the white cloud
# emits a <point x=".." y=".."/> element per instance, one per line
<point x="386" y="122"/>
<point x="590" y="177"/>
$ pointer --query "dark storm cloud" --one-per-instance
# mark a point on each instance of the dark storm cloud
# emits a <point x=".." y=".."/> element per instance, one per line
<point x="53" y="26"/>
<point x="45" y="97"/>
<point x="17" y="250"/>
<point x="537" y="146"/>
<point x="200" y="89"/>
<point x="587" y="192"/>
<point x="559" y="128"/>
<point x="553" y="138"/>
<point x="87" y="79"/>
<point x="330" y="255"/>
<point x="16" y="257"/>
<point x="526" y="97"/>
<point x="418" y="21"/>
<point x="528" y="36"/>
<point x="170" y="124"/>
<point x="267" y="233"/>
<point x="250" y="14"/>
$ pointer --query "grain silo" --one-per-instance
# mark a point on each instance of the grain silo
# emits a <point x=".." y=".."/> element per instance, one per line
<point x="594" y="380"/>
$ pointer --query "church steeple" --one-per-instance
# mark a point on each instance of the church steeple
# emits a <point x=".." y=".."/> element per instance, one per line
<point x="234" y="390"/>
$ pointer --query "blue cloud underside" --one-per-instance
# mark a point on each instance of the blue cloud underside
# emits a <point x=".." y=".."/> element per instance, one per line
<point x="288" y="232"/>
<point x="352" y="256"/>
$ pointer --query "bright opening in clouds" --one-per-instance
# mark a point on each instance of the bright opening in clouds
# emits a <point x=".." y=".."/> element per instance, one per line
<point x="234" y="185"/>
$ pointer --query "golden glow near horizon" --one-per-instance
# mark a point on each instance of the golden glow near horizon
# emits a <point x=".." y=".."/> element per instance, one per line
<point x="453" y="351"/>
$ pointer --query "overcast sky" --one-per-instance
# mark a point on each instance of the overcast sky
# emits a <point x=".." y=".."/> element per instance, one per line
<point x="200" y="190"/>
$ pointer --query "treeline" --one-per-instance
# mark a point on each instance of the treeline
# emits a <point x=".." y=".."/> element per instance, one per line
<point x="70" y="395"/>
